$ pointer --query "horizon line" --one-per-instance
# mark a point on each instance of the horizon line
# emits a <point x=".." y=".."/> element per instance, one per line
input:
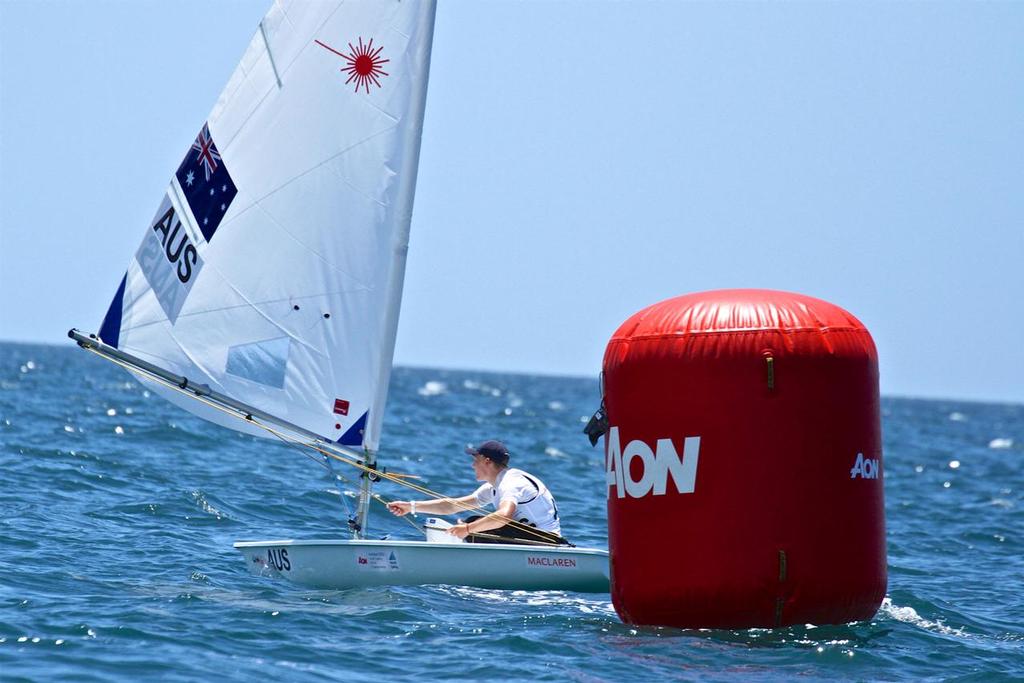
<point x="594" y="378"/>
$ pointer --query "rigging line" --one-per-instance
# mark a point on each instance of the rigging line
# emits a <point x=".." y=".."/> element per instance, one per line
<point x="421" y="489"/>
<point x="380" y="499"/>
<point x="348" y="461"/>
<point x="541" y="537"/>
<point x="326" y="465"/>
<point x="296" y="445"/>
<point x="513" y="541"/>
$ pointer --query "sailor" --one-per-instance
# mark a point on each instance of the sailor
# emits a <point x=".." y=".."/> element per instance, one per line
<point x="524" y="508"/>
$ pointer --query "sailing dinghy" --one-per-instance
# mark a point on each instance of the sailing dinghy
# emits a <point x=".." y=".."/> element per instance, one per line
<point x="265" y="294"/>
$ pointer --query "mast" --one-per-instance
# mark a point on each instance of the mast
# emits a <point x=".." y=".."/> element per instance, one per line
<point x="400" y="243"/>
<point x="400" y="250"/>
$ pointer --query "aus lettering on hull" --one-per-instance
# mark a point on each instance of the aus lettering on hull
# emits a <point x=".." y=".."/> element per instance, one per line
<point x="278" y="559"/>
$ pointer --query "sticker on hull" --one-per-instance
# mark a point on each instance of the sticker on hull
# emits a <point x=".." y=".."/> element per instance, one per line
<point x="377" y="560"/>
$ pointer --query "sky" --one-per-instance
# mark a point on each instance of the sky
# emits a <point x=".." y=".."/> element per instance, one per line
<point x="581" y="161"/>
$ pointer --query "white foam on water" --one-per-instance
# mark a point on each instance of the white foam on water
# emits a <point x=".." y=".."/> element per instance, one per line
<point x="554" y="452"/>
<point x="481" y="387"/>
<point x="1000" y="443"/>
<point x="534" y="599"/>
<point x="433" y="388"/>
<point x="908" y="615"/>
<point x="958" y="417"/>
<point x="205" y="506"/>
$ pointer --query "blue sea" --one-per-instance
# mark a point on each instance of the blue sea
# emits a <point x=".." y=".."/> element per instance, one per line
<point x="118" y="513"/>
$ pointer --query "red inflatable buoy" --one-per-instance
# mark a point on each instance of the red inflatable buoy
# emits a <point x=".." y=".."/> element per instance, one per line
<point x="744" y="463"/>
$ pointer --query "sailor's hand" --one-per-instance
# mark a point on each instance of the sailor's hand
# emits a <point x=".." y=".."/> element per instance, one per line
<point x="400" y="507"/>
<point x="459" y="530"/>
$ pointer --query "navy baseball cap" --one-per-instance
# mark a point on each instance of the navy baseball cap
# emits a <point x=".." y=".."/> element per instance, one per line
<point x="492" y="450"/>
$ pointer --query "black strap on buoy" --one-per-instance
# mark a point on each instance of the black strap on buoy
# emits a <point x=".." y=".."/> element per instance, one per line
<point x="598" y="425"/>
<point x="780" y="601"/>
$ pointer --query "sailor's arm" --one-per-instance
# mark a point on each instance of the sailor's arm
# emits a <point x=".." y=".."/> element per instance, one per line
<point x="439" y="506"/>
<point x="499" y="518"/>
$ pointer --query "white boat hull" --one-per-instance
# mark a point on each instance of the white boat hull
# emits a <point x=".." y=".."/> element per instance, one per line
<point x="341" y="564"/>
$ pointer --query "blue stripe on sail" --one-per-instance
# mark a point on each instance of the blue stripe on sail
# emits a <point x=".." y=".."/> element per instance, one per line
<point x="110" y="330"/>
<point x="354" y="435"/>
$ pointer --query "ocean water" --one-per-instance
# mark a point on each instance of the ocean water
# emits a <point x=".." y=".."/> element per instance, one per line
<point x="118" y="513"/>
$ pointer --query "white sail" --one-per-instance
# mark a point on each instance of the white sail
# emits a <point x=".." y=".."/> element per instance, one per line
<point x="272" y="270"/>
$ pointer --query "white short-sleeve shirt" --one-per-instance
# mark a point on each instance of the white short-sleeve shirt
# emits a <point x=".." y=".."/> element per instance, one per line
<point x="534" y="504"/>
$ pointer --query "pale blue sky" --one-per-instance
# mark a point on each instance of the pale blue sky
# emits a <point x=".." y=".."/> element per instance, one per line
<point x="580" y="161"/>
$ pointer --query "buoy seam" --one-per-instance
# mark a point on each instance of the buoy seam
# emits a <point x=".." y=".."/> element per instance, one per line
<point x="740" y="332"/>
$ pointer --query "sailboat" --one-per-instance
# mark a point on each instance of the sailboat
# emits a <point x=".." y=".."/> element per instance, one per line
<point x="265" y="294"/>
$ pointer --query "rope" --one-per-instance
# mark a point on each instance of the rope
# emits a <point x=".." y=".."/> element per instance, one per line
<point x="294" y="445"/>
<point x="399" y="479"/>
<point x="421" y="489"/>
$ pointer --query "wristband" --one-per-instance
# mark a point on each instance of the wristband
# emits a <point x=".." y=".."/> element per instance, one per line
<point x="413" y="503"/>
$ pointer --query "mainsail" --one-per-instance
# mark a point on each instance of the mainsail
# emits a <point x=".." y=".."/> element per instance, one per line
<point x="272" y="270"/>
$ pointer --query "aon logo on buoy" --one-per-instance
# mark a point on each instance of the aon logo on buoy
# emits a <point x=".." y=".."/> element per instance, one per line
<point x="657" y="466"/>
<point x="868" y="468"/>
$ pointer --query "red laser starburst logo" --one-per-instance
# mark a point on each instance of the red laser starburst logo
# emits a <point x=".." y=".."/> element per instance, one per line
<point x="363" y="64"/>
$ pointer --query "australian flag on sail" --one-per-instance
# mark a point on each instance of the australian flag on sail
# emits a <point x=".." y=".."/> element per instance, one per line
<point x="204" y="179"/>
